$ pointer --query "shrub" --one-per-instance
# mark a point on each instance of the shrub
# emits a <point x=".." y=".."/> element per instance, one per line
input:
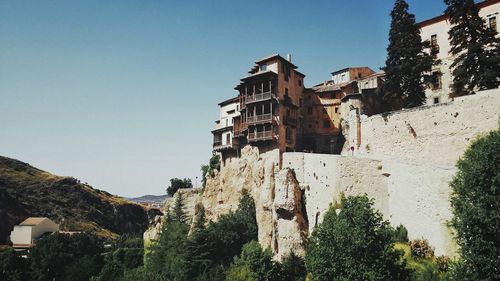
<point x="400" y="234"/>
<point x="443" y="263"/>
<point x="355" y="244"/>
<point x="421" y="249"/>
<point x="476" y="206"/>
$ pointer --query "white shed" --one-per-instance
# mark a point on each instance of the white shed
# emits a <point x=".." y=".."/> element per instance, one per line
<point x="27" y="232"/>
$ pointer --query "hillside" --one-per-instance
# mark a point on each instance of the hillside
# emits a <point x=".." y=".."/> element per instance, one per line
<point x="156" y="199"/>
<point x="27" y="191"/>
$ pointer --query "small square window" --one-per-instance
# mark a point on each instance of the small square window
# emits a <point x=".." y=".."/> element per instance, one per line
<point x="336" y="110"/>
<point x="436" y="100"/>
<point x="300" y="83"/>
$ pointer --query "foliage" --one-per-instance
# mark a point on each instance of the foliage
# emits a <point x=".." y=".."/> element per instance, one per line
<point x="178" y="213"/>
<point x="209" y="170"/>
<point x="12" y="267"/>
<point x="67" y="257"/>
<point x="420" y="248"/>
<point x="406" y="62"/>
<point x="476" y="207"/>
<point x="217" y="244"/>
<point x="475" y="47"/>
<point x="167" y="256"/>
<point x="355" y="244"/>
<point x="400" y="234"/>
<point x="241" y="273"/>
<point x="126" y="255"/>
<point x="176" y="184"/>
<point x="424" y="269"/>
<point x="258" y="261"/>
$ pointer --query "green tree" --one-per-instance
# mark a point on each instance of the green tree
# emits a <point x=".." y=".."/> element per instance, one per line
<point x="257" y="260"/>
<point x="407" y="63"/>
<point x="176" y="184"/>
<point x="212" y="248"/>
<point x="178" y="213"/>
<point x="355" y="244"/>
<point x="208" y="170"/>
<point x="12" y="267"/>
<point x="67" y="257"/>
<point x="293" y="268"/>
<point x="168" y="254"/>
<point x="475" y="47"/>
<point x="476" y="207"/>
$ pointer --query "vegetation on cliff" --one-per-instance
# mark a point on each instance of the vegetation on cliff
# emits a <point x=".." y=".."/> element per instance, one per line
<point x="27" y="191"/>
<point x="476" y="208"/>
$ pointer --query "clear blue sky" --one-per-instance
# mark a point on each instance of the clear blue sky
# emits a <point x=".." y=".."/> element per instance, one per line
<point x="123" y="94"/>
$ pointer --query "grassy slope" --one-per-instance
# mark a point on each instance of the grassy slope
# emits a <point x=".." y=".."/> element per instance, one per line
<point x="27" y="191"/>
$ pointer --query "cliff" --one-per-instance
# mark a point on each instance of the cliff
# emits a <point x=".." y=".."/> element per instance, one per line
<point x="27" y="191"/>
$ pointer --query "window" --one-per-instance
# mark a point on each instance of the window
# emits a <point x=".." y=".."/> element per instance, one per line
<point x="434" y="45"/>
<point x="228" y="138"/>
<point x="286" y="91"/>
<point x="325" y="111"/>
<point x="336" y="110"/>
<point x="263" y="67"/>
<point x="326" y="123"/>
<point x="227" y="122"/>
<point x="237" y="107"/>
<point x="436" y="80"/>
<point x="300" y="102"/>
<point x="436" y="100"/>
<point x="492" y="23"/>
<point x="300" y="83"/>
<point x="310" y="110"/>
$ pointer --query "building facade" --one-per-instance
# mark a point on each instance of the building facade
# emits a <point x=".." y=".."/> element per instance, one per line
<point x="223" y="133"/>
<point x="435" y="30"/>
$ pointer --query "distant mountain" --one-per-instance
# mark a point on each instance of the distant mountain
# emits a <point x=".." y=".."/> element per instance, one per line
<point x="27" y="191"/>
<point x="150" y="198"/>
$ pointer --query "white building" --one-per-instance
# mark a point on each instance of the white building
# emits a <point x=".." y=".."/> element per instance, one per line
<point x="436" y="31"/>
<point x="223" y="132"/>
<point x="27" y="232"/>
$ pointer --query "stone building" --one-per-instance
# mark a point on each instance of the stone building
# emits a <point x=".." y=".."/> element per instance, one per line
<point x="435" y="30"/>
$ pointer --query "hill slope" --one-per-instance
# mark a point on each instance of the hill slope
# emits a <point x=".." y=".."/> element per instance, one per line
<point x="27" y="191"/>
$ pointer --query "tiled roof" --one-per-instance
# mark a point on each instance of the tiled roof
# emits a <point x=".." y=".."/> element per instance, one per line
<point x="32" y="221"/>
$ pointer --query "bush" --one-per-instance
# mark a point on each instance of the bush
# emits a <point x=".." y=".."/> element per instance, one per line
<point x="400" y="234"/>
<point x="355" y="244"/>
<point x="421" y="249"/>
<point x="476" y="206"/>
<point x="209" y="170"/>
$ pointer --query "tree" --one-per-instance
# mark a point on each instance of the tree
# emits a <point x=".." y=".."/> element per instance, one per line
<point x="475" y="47"/>
<point x="257" y="260"/>
<point x="178" y="213"/>
<point x="476" y="207"/>
<point x="176" y="184"/>
<point x="208" y="170"/>
<point x="67" y="257"/>
<point x="407" y="63"/>
<point x="12" y="267"/>
<point x="355" y="244"/>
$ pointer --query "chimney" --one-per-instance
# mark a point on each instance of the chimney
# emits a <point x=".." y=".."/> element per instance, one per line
<point x="289" y="57"/>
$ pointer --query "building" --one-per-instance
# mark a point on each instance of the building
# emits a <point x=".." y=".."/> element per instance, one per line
<point x="223" y="132"/>
<point x="25" y="234"/>
<point x="270" y="97"/>
<point x="435" y="30"/>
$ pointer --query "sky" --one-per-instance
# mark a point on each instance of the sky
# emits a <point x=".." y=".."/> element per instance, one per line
<point x="123" y="94"/>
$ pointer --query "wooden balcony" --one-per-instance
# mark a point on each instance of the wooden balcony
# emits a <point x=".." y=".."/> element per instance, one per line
<point x="260" y="97"/>
<point x="260" y="119"/>
<point x="261" y="136"/>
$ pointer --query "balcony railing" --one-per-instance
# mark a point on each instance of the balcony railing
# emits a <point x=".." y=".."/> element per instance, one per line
<point x="219" y="146"/>
<point x="260" y="136"/>
<point x="263" y="118"/>
<point x="260" y="97"/>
